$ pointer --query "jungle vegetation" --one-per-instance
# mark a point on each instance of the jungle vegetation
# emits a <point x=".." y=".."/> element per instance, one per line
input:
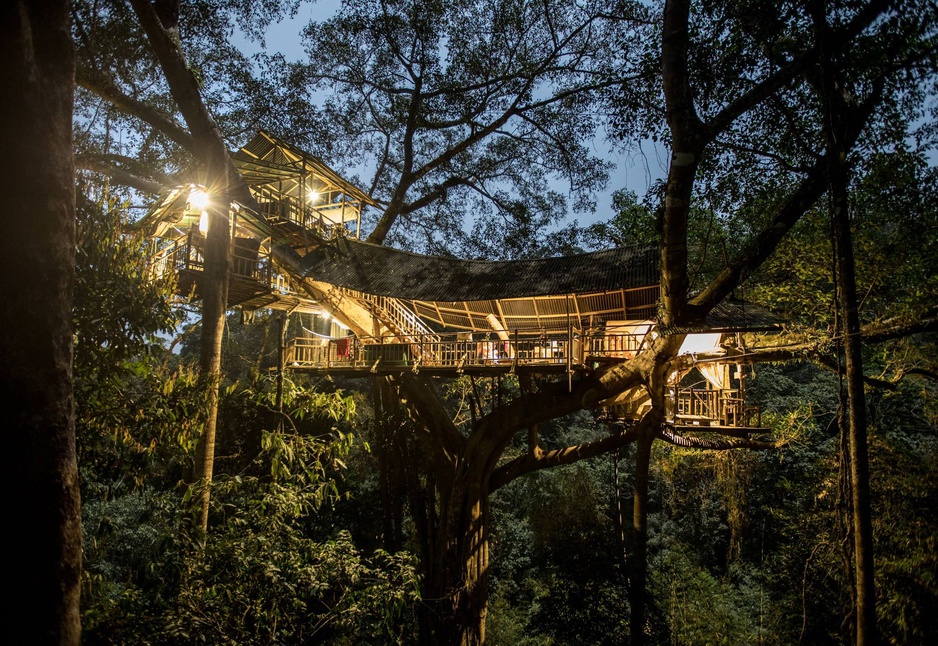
<point x="163" y="497"/>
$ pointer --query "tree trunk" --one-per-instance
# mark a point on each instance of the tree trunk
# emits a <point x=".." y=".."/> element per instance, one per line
<point x="160" y="25"/>
<point x="38" y="266"/>
<point x="638" y="559"/>
<point x="686" y="150"/>
<point x="859" y="457"/>
<point x="390" y="450"/>
<point x="837" y="113"/>
<point x="214" y="293"/>
<point x="456" y="590"/>
<point x="281" y="365"/>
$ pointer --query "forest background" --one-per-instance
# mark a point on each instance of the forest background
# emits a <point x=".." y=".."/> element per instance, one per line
<point x="742" y="546"/>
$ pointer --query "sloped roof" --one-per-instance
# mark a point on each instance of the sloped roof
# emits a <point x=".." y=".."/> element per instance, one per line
<point x="383" y="271"/>
<point x="263" y="160"/>
<point x="267" y="158"/>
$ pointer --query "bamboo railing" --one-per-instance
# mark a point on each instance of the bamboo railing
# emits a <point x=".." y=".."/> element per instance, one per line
<point x="460" y="350"/>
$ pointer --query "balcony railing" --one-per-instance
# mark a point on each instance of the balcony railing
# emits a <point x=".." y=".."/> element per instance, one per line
<point x="707" y="406"/>
<point x="327" y="221"/>
<point x="461" y="350"/>
<point x="248" y="262"/>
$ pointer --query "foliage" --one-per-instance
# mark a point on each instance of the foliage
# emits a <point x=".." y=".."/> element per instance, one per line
<point x="466" y="112"/>
<point x="260" y="577"/>
<point x="265" y="574"/>
<point x="632" y="223"/>
<point x="895" y="216"/>
<point x="556" y="555"/>
<point x="134" y="421"/>
<point x="120" y="310"/>
<point x="905" y="483"/>
<point x="702" y="608"/>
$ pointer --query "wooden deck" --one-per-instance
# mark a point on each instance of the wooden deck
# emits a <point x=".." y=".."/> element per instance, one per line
<point x="462" y="352"/>
<point x="698" y="410"/>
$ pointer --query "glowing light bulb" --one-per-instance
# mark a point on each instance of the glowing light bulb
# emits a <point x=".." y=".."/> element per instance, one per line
<point x="313" y="196"/>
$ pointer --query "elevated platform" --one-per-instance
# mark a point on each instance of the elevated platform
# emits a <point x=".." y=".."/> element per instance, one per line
<point x="463" y="352"/>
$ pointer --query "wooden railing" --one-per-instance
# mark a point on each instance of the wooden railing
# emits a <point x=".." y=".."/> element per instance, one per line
<point x="188" y="253"/>
<point x="290" y="209"/>
<point x="459" y="350"/>
<point x="392" y="311"/>
<point x="706" y="406"/>
<point x="615" y="346"/>
<point x="177" y="255"/>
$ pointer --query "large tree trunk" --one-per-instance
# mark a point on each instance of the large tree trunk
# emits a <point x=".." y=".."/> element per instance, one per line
<point x="837" y="114"/>
<point x="687" y="146"/>
<point x="214" y="293"/>
<point x="38" y="263"/>
<point x="159" y="22"/>
<point x="457" y="567"/>
<point x="638" y="559"/>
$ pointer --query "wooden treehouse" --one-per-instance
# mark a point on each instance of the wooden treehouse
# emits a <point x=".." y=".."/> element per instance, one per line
<point x="296" y="202"/>
<point x="295" y="247"/>
<point x="707" y="393"/>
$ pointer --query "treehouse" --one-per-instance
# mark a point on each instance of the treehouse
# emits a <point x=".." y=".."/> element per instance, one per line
<point x="295" y="202"/>
<point x="295" y="247"/>
<point x="571" y="314"/>
<point x="707" y="391"/>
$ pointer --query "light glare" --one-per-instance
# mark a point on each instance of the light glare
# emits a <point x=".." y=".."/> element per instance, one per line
<point x="198" y="199"/>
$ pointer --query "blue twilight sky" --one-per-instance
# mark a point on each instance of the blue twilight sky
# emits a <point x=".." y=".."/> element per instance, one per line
<point x="636" y="170"/>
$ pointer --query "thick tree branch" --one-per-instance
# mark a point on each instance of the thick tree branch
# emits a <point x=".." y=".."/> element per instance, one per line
<point x="787" y="213"/>
<point x="422" y="400"/>
<point x="820" y="351"/>
<point x="535" y="461"/>
<point x="411" y="175"/>
<point x="407" y="177"/>
<point x="434" y="194"/>
<point x="687" y="145"/>
<point x="208" y="143"/>
<point x="785" y="75"/>
<point x="101" y="164"/>
<point x="105" y="89"/>
<point x="762" y="245"/>
<point x="891" y="330"/>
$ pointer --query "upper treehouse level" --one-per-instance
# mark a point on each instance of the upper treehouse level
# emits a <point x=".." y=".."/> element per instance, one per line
<point x="296" y="203"/>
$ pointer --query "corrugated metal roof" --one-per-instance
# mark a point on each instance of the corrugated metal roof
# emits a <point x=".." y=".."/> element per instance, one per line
<point x="384" y="271"/>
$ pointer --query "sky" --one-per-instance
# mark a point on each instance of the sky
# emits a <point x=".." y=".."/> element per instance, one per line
<point x="636" y="170"/>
